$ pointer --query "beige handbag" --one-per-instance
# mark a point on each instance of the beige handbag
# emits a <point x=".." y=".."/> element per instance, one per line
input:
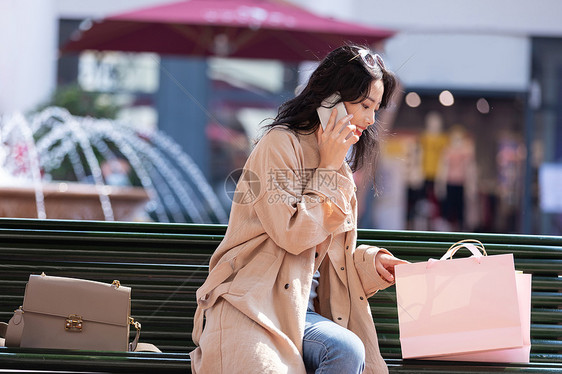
<point x="71" y="313"/>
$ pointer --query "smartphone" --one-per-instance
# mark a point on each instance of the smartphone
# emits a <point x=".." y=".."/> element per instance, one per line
<point x="325" y="109"/>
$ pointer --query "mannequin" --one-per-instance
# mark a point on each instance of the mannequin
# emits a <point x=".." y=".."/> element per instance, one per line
<point x="432" y="142"/>
<point x="457" y="176"/>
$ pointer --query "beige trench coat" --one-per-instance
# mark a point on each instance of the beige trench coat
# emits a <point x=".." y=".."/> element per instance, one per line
<point x="288" y="219"/>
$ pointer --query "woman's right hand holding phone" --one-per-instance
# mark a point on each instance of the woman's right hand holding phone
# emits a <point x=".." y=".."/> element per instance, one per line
<point x="334" y="141"/>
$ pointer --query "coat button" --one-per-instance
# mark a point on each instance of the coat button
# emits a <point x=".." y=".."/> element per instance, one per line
<point x="287" y="286"/>
<point x="339" y="318"/>
<point x="361" y="297"/>
<point x="316" y="254"/>
<point x="347" y="247"/>
<point x="342" y="268"/>
<point x="348" y="221"/>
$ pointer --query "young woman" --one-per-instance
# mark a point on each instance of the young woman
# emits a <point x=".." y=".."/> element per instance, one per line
<point x="287" y="288"/>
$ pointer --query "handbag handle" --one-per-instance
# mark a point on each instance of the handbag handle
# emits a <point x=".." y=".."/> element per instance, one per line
<point x="473" y="245"/>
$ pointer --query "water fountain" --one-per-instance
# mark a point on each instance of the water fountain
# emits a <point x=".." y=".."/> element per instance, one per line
<point x="56" y="165"/>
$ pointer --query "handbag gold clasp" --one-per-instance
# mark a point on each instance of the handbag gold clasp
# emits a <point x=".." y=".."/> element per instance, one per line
<point x="134" y="323"/>
<point x="73" y="323"/>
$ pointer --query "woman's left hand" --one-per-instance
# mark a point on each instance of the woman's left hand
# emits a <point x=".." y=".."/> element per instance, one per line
<point x="384" y="263"/>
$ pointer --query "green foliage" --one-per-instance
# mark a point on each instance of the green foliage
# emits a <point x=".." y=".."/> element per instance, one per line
<point x="83" y="103"/>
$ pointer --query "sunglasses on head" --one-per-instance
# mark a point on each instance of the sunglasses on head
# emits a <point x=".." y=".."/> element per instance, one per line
<point x="371" y="60"/>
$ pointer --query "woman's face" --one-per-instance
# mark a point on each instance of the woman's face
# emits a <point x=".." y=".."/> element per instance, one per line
<point x="364" y="111"/>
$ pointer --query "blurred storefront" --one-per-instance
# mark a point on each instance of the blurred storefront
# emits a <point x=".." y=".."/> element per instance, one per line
<point x="455" y="147"/>
<point x="513" y="130"/>
<point x="454" y="160"/>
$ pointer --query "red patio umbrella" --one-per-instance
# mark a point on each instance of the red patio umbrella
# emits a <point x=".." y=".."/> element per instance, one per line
<point x="270" y="29"/>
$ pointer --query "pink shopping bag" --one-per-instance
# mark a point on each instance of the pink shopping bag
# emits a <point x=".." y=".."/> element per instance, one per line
<point x="515" y="355"/>
<point x="459" y="306"/>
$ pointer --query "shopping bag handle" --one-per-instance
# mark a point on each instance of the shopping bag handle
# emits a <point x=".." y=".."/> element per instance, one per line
<point x="473" y="245"/>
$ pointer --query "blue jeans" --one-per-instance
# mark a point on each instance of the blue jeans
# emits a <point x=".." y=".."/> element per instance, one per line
<point x="329" y="348"/>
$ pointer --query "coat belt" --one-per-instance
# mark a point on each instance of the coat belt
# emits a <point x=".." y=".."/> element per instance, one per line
<point x="208" y="293"/>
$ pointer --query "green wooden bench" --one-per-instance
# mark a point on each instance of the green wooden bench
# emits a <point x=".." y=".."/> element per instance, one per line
<point x="165" y="264"/>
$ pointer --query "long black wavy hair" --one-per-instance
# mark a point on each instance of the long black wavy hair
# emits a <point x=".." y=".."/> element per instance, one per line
<point x="343" y="71"/>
